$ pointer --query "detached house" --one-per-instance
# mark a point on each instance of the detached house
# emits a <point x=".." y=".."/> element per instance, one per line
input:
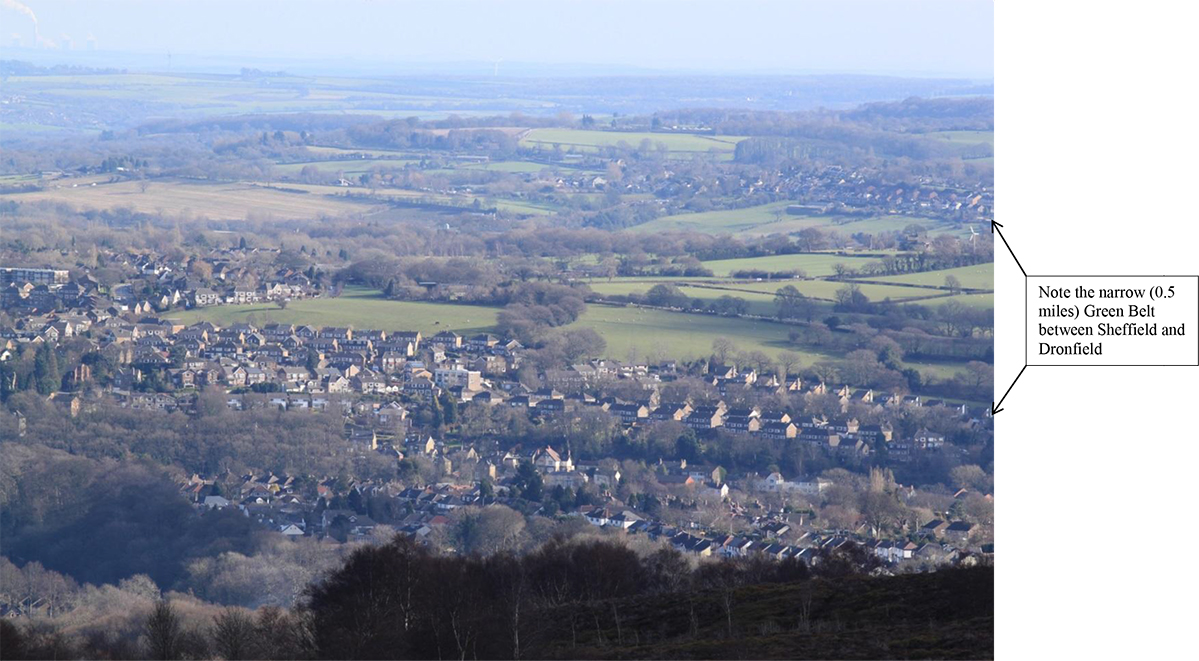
<point x="606" y="518"/>
<point x="548" y="460"/>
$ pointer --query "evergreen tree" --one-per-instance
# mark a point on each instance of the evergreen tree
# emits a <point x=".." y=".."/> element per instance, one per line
<point x="449" y="407"/>
<point x="355" y="501"/>
<point x="45" y="370"/>
<point x="436" y="414"/>
<point x="529" y="482"/>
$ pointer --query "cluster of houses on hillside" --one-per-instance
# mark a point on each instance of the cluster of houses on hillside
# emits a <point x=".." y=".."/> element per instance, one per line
<point x="158" y="363"/>
<point x="375" y="378"/>
<point x="325" y="508"/>
<point x="824" y="189"/>
<point x="31" y="292"/>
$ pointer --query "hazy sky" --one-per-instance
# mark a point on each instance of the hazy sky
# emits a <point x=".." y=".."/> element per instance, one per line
<point x="915" y="37"/>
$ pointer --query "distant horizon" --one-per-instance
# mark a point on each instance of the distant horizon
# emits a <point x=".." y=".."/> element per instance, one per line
<point x="950" y="39"/>
<point x="183" y="62"/>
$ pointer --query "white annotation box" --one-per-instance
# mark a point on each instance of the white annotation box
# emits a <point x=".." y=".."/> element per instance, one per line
<point x="1103" y="320"/>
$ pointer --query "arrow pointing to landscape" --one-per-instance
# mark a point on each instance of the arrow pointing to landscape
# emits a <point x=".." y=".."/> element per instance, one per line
<point x="995" y="230"/>
<point x="995" y="407"/>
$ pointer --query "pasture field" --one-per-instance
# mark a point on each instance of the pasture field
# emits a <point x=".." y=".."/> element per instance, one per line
<point x="814" y="265"/>
<point x="763" y="292"/>
<point x="385" y="194"/>
<point x="15" y="128"/>
<point x="979" y="276"/>
<point x="346" y="153"/>
<point x="519" y="206"/>
<point x="827" y="289"/>
<point x="965" y="137"/>
<point x="725" y="221"/>
<point x="772" y="218"/>
<point x="519" y="167"/>
<point x="357" y="307"/>
<point x="655" y="334"/>
<point x="17" y="179"/>
<point x="980" y="301"/>
<point x="759" y="303"/>
<point x="847" y="225"/>
<point x="628" y="331"/>
<point x="682" y="336"/>
<point x="760" y="295"/>
<point x="587" y="140"/>
<point x="218" y="201"/>
<point x="348" y="167"/>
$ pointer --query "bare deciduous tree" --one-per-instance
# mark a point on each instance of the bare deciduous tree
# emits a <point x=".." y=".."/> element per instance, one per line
<point x="163" y="631"/>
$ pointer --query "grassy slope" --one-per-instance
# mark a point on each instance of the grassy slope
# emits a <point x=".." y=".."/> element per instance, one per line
<point x="771" y="219"/>
<point x="348" y="166"/>
<point x="585" y="140"/>
<point x="965" y="137"/>
<point x="980" y="276"/>
<point x="634" y="331"/>
<point x="658" y="333"/>
<point x="717" y="222"/>
<point x="827" y="289"/>
<point x="981" y="301"/>
<point x="813" y="265"/>
<point x="360" y="308"/>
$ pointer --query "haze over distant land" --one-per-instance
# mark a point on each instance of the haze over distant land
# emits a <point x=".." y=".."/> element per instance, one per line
<point x="933" y="38"/>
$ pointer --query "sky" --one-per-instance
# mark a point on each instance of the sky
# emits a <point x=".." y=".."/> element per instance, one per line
<point x="891" y="37"/>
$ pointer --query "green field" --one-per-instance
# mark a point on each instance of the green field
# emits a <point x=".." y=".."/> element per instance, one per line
<point x="813" y="265"/>
<point x="349" y="153"/>
<point x="759" y="303"/>
<point x="647" y="334"/>
<point x="397" y="194"/>
<point x="965" y="137"/>
<point x="849" y="225"/>
<point x="584" y="140"/>
<point x="518" y="206"/>
<point x="724" y="221"/>
<point x="657" y="334"/>
<point x="980" y="276"/>
<point x="760" y="295"/>
<point x="519" y="167"/>
<point x="654" y="334"/>
<point x="827" y="289"/>
<point x="348" y="167"/>
<point x="980" y="301"/>
<point x="772" y="218"/>
<point x="357" y="307"/>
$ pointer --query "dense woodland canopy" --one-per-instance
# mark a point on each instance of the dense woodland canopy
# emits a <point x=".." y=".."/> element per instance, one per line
<point x="564" y="600"/>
